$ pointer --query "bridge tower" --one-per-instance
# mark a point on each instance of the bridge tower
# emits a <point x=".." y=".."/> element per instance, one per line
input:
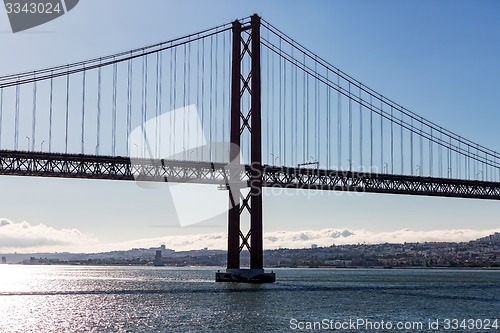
<point x="241" y="121"/>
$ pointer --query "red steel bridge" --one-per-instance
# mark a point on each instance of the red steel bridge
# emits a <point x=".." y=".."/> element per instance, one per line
<point x="298" y="122"/>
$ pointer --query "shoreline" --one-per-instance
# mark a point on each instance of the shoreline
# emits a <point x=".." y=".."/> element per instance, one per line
<point x="272" y="267"/>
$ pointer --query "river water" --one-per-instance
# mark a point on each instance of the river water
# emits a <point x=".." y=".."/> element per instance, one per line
<point x="164" y="299"/>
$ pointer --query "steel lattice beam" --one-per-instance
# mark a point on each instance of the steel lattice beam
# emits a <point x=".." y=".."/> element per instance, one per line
<point x="318" y="179"/>
<point x="122" y="168"/>
<point x="106" y="167"/>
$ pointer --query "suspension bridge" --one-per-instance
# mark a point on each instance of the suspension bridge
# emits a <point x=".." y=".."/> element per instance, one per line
<point x="242" y="106"/>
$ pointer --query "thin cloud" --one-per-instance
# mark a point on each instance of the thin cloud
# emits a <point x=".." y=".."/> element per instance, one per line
<point x="25" y="237"/>
<point x="328" y="237"/>
<point x="306" y="238"/>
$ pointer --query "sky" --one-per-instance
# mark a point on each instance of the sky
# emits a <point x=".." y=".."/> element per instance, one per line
<point x="436" y="58"/>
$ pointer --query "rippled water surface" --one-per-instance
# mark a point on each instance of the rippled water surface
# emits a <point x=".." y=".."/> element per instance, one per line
<point x="161" y="299"/>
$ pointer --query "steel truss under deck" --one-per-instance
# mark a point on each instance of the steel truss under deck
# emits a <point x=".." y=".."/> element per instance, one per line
<point x="123" y="168"/>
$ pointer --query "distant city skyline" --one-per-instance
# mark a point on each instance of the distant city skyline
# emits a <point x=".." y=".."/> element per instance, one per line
<point x="478" y="253"/>
<point x="435" y="58"/>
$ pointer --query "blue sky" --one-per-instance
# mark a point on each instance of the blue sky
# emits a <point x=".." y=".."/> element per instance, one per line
<point x="436" y="58"/>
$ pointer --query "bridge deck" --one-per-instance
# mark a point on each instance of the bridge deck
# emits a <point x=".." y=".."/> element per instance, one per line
<point x="123" y="168"/>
